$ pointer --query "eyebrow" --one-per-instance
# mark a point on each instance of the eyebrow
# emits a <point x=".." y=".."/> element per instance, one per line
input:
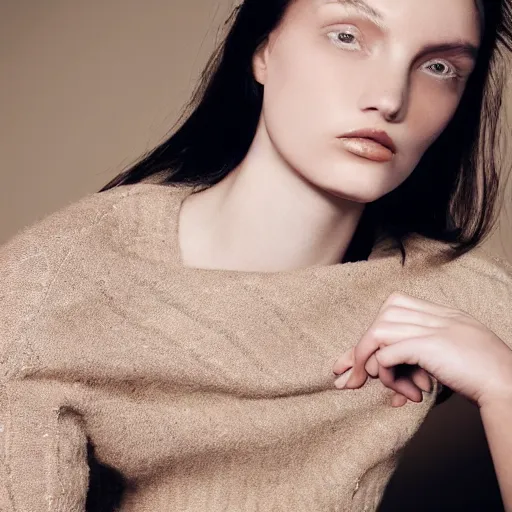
<point x="361" y="6"/>
<point x="461" y="47"/>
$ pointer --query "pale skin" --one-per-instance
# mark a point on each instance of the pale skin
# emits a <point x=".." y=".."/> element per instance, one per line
<point x="297" y="197"/>
<point x="449" y="345"/>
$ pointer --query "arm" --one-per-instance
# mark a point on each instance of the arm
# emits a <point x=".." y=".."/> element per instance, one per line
<point x="43" y="445"/>
<point x="43" y="459"/>
<point x="496" y="414"/>
<point x="497" y="421"/>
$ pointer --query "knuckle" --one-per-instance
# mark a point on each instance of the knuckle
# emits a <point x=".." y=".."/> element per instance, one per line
<point x="395" y="296"/>
<point x="378" y="332"/>
<point x="390" y="312"/>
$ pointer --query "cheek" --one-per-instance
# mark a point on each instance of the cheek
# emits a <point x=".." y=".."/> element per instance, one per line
<point x="292" y="92"/>
<point x="308" y="93"/>
<point x="433" y="110"/>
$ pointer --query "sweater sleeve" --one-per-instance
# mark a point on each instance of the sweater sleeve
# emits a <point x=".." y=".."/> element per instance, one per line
<point x="43" y="452"/>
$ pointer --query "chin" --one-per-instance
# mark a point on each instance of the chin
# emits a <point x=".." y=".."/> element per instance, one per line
<point x="354" y="197"/>
<point x="360" y="186"/>
<point x="352" y="192"/>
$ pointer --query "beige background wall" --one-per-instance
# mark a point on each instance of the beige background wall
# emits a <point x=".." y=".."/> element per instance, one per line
<point x="88" y="86"/>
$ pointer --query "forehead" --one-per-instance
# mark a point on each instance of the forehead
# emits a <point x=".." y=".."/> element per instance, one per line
<point x="457" y="17"/>
<point x="360" y="5"/>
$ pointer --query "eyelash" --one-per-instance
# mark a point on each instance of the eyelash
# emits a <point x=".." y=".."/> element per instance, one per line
<point x="454" y="75"/>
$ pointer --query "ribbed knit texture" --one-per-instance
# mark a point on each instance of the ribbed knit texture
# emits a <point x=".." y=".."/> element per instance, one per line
<point x="208" y="390"/>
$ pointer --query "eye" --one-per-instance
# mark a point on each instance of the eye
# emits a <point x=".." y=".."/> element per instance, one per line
<point x="346" y="38"/>
<point x="441" y="69"/>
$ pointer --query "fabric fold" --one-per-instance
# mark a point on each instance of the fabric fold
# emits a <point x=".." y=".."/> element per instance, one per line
<point x="206" y="389"/>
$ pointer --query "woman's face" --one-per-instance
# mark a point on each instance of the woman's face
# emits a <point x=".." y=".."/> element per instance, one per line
<point x="335" y="66"/>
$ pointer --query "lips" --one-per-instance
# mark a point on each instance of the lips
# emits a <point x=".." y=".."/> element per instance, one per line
<point x="372" y="144"/>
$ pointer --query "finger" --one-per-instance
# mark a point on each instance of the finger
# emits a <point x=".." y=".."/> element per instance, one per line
<point x="397" y="400"/>
<point x="341" y="382"/>
<point x="402" y="385"/>
<point x="400" y="314"/>
<point x="409" y="351"/>
<point x="345" y="362"/>
<point x="422" y="379"/>
<point x="419" y="318"/>
<point x="408" y="301"/>
<point x="372" y="366"/>
<point x="382" y="334"/>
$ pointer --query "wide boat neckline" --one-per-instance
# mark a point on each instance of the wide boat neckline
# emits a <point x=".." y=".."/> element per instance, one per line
<point x="382" y="250"/>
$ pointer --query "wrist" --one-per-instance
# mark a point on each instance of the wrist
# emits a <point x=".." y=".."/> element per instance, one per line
<point x="499" y="397"/>
<point x="498" y="391"/>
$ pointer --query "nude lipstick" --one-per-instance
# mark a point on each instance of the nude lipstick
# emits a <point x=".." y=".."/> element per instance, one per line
<point x="371" y="144"/>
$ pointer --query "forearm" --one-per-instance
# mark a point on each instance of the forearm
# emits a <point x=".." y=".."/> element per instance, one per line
<point x="497" y="421"/>
<point x="43" y="458"/>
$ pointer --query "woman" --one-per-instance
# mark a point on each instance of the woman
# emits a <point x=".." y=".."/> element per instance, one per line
<point x="187" y="336"/>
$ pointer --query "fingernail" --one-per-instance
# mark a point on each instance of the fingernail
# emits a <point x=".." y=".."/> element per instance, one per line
<point x="339" y="364"/>
<point x="340" y="383"/>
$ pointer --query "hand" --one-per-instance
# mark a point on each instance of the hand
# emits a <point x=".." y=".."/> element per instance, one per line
<point x="438" y="341"/>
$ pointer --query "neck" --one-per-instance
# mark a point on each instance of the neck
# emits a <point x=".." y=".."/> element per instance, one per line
<point x="265" y="217"/>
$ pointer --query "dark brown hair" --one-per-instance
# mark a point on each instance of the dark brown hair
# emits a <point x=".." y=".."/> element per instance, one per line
<point x="451" y="196"/>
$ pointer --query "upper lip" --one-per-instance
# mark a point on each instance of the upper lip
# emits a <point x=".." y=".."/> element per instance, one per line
<point x="377" y="135"/>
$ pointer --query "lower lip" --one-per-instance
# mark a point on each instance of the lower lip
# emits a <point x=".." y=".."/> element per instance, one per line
<point x="366" y="148"/>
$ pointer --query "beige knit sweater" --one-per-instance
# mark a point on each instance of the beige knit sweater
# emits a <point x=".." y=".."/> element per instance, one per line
<point x="208" y="390"/>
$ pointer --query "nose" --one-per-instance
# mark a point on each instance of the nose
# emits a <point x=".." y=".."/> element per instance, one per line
<point x="386" y="91"/>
